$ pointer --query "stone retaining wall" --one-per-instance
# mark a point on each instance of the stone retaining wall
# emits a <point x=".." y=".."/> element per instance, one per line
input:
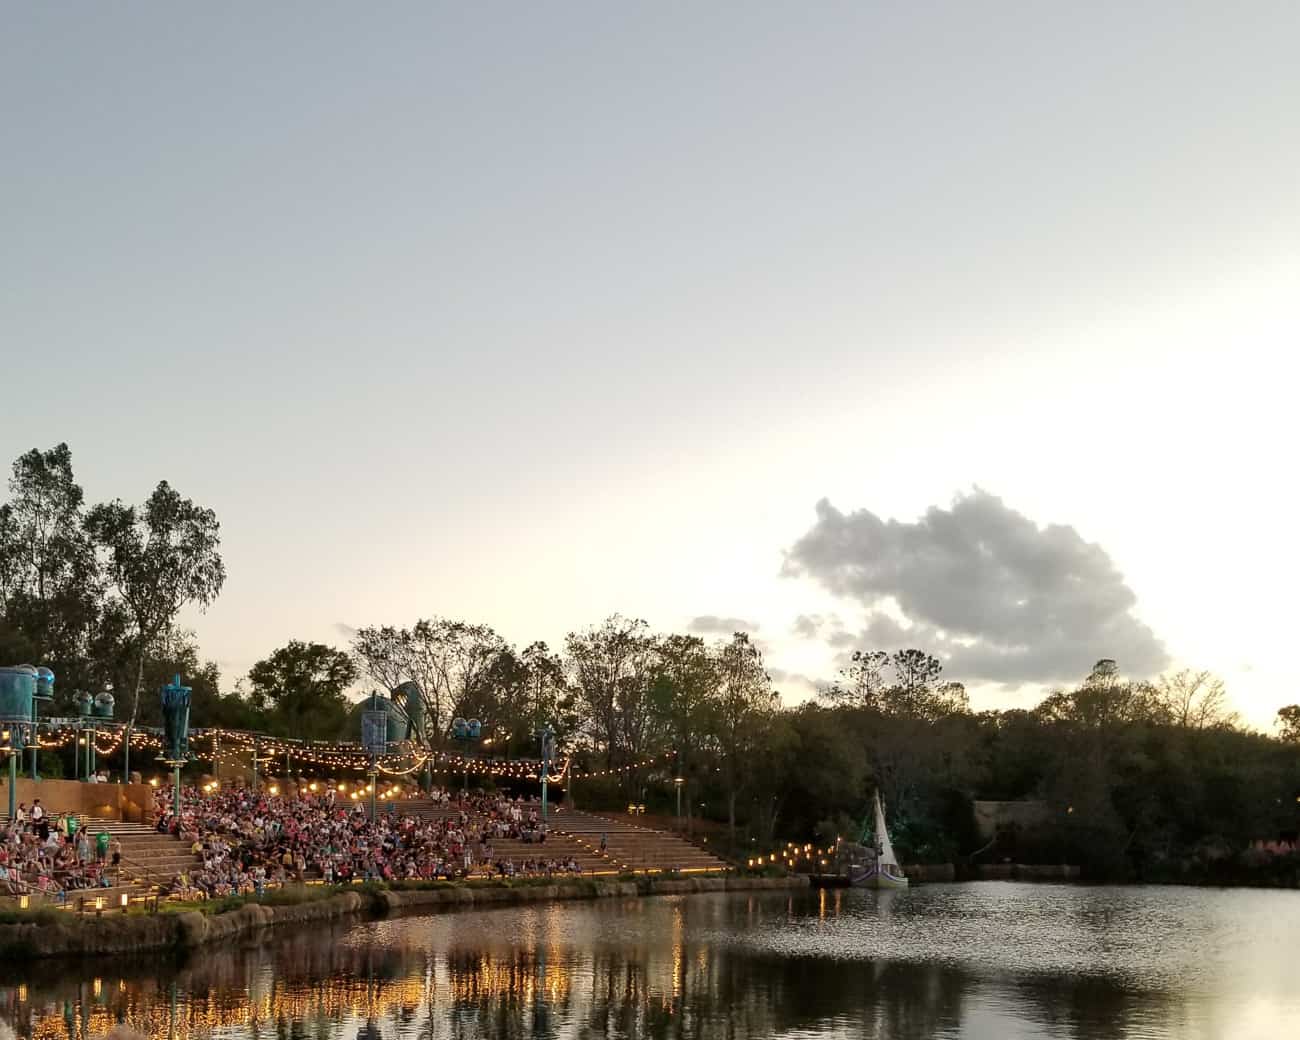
<point x="111" y="934"/>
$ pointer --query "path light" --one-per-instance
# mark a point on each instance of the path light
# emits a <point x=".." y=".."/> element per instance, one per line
<point x="24" y="902"/>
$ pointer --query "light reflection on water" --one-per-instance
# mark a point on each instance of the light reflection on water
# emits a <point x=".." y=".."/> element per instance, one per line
<point x="991" y="960"/>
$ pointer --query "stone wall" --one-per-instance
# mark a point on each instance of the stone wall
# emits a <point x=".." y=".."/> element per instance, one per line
<point x="60" y="934"/>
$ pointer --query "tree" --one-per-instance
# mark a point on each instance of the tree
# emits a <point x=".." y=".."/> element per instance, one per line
<point x="905" y="684"/>
<point x="452" y="663"/>
<point x="1104" y="700"/>
<point x="1195" y="700"/>
<point x="385" y="653"/>
<point x="300" y="688"/>
<point x="743" y="707"/>
<point x="157" y="560"/>
<point x="863" y="682"/>
<point x="612" y="667"/>
<point x="684" y="685"/>
<point x="531" y="692"/>
<point x="1288" y="721"/>
<point x="50" y="595"/>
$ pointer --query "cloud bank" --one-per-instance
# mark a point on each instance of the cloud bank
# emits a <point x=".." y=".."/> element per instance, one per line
<point x="981" y="586"/>
<point x="712" y="625"/>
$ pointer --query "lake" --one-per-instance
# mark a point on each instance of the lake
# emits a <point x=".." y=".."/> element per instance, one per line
<point x="989" y="960"/>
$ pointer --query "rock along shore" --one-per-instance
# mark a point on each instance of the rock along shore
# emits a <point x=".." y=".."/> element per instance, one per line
<point x="70" y="935"/>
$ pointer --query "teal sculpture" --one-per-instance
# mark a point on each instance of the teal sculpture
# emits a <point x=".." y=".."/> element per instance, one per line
<point x="17" y="702"/>
<point x="176" y="721"/>
<point x="176" y="735"/>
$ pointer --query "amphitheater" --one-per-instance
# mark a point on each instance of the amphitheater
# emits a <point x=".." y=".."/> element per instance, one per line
<point x="150" y="859"/>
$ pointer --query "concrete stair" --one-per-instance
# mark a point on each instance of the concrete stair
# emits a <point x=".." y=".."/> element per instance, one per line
<point x="631" y="848"/>
<point x="149" y="860"/>
<point x="635" y="847"/>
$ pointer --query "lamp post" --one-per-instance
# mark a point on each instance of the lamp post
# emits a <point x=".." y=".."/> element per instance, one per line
<point x="176" y="729"/>
<point x="547" y="737"/>
<point x="678" y="781"/>
<point x="44" y="691"/>
<point x="468" y="732"/>
<point x="85" y="704"/>
<point x="17" y="690"/>
<point x="12" y="740"/>
<point x="100" y="708"/>
<point x="374" y="738"/>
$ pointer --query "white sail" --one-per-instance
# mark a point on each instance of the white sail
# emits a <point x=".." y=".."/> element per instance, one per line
<point x="886" y="850"/>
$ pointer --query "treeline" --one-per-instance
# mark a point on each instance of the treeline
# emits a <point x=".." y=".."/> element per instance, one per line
<point x="1135" y="779"/>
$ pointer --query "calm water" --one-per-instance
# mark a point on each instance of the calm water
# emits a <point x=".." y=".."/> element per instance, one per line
<point x="992" y="960"/>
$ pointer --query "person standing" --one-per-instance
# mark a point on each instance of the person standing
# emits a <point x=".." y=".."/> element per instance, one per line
<point x="39" y="821"/>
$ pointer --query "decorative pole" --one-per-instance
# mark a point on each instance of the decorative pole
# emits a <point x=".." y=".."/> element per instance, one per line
<point x="374" y="738"/>
<point x="547" y="736"/>
<point x="467" y="733"/>
<point x="85" y="705"/>
<point x="374" y="786"/>
<point x="176" y="728"/>
<point x="11" y="746"/>
<point x="17" y="690"/>
<point x="256" y="749"/>
<point x="44" y="692"/>
<point x="100" y="708"/>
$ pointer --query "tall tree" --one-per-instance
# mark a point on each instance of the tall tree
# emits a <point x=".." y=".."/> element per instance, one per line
<point x="1195" y="700"/>
<point x="612" y="666"/>
<point x="452" y="662"/>
<point x="862" y="683"/>
<point x="50" y="596"/>
<point x="743" y="707"/>
<point x="530" y="692"/>
<point x="1288" y="722"/>
<point x="385" y="653"/>
<point x="906" y="683"/>
<point x="157" y="559"/>
<point x="300" y="689"/>
<point x="685" y="684"/>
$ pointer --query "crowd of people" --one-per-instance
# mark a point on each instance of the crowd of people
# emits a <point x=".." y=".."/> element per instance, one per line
<point x="53" y="855"/>
<point x="244" y="840"/>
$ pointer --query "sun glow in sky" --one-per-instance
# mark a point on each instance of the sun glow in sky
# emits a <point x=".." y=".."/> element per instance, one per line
<point x="528" y="316"/>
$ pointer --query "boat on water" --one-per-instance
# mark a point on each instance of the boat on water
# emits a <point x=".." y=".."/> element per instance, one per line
<point x="869" y="863"/>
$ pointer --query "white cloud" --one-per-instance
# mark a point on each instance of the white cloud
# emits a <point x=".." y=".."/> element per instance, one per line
<point x="982" y="586"/>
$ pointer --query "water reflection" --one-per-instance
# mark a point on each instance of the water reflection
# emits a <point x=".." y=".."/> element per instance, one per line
<point x="978" y="961"/>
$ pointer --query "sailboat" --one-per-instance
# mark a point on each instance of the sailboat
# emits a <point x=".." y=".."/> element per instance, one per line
<point x="884" y="871"/>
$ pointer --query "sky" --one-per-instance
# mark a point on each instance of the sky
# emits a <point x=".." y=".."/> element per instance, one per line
<point x="963" y="324"/>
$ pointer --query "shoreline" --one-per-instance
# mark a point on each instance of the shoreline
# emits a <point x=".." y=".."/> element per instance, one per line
<point x="63" y="934"/>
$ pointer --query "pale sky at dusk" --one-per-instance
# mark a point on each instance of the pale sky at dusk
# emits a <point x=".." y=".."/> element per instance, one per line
<point x="527" y="314"/>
